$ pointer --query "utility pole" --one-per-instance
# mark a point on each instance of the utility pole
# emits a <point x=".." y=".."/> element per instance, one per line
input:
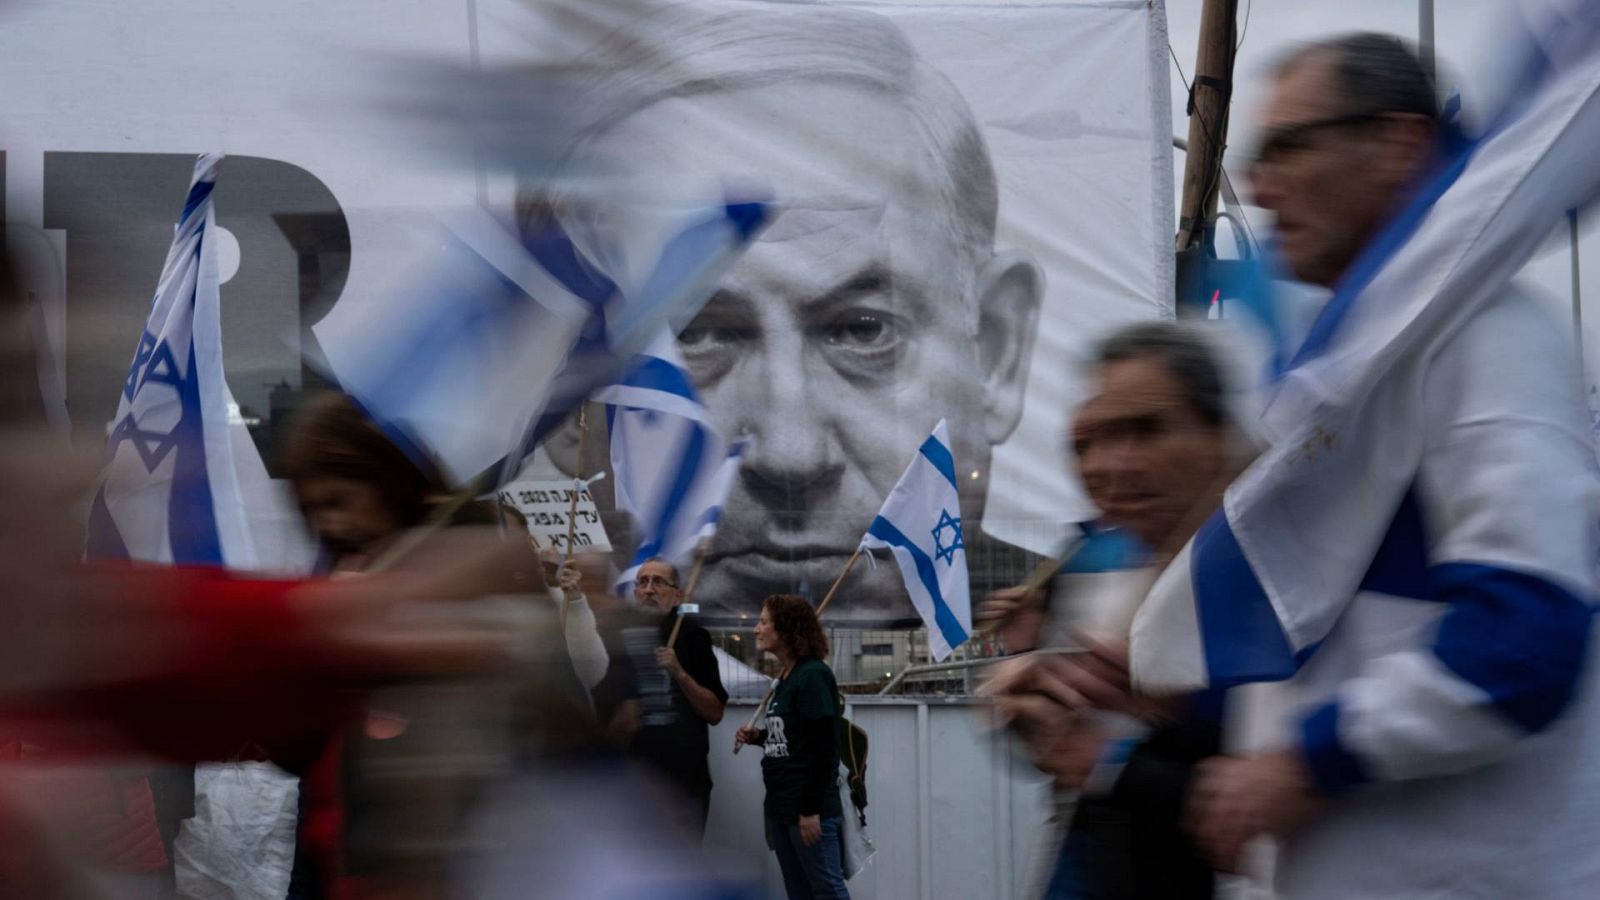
<point x="1209" y="95"/>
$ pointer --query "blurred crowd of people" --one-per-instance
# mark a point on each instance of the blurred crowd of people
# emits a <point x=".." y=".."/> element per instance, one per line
<point x="439" y="665"/>
<point x="1436" y="741"/>
<point x="470" y="714"/>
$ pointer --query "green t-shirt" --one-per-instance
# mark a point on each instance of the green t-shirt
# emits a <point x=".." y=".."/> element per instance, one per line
<point x="801" y="747"/>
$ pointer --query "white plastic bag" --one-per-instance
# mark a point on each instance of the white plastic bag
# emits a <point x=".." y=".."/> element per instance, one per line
<point x="855" y="848"/>
<point x="240" y="843"/>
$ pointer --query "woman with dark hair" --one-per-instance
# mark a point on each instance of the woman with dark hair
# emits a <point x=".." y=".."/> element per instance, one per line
<point x="357" y="489"/>
<point x="105" y="666"/>
<point x="801" y="761"/>
<point x="365" y="831"/>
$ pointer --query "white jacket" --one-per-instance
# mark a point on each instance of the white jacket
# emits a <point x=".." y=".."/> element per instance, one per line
<point x="1452" y="710"/>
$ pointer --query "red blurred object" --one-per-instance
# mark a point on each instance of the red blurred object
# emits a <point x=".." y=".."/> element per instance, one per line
<point x="242" y="683"/>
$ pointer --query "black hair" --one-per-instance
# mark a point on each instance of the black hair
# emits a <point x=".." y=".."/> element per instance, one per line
<point x="1186" y="356"/>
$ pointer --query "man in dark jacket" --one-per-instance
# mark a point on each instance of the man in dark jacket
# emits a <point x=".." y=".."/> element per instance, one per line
<point x="658" y="701"/>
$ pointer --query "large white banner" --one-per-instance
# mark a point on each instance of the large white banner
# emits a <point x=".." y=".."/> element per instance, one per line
<point x="971" y="195"/>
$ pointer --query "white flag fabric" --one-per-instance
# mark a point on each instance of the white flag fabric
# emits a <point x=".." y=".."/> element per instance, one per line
<point x="673" y="470"/>
<point x="509" y="333"/>
<point x="184" y="484"/>
<point x="920" y="523"/>
<point x="173" y="491"/>
<point x="1265" y="580"/>
<point x="453" y="368"/>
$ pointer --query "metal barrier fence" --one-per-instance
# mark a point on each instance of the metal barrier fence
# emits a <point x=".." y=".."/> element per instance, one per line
<point x="865" y="661"/>
<point x="953" y="811"/>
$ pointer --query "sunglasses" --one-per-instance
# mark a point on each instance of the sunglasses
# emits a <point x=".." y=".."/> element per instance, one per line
<point x="1283" y="143"/>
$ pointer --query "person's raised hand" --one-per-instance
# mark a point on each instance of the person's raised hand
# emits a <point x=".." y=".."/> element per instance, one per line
<point x="1031" y="693"/>
<point x="569" y="579"/>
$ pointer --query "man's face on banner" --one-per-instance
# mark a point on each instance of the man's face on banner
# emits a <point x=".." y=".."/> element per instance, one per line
<point x="839" y="340"/>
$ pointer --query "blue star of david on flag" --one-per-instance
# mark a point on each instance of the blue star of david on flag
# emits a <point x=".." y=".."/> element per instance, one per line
<point x="152" y="446"/>
<point x="139" y="371"/>
<point x="153" y="363"/>
<point x="170" y="490"/>
<point x="946" y="553"/>
<point x="920" y="523"/>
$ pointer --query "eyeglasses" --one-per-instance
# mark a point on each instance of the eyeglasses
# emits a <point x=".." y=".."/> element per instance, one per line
<point x="1283" y="143"/>
<point x="656" y="580"/>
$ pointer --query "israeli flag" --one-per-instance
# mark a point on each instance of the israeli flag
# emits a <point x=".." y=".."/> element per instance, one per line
<point x="921" y="523"/>
<point x="172" y="490"/>
<point x="1265" y="579"/>
<point x="510" y="333"/>
<point x="673" y="470"/>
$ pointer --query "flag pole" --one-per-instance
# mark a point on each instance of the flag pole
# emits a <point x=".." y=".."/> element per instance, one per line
<point x="578" y="482"/>
<point x="1041" y="575"/>
<point x="440" y="517"/>
<point x="826" y="599"/>
<point x="572" y="510"/>
<point x="688" y="590"/>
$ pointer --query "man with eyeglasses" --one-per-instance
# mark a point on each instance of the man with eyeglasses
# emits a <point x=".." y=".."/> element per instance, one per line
<point x="1434" y="743"/>
<point x="1350" y="127"/>
<point x="658" y="701"/>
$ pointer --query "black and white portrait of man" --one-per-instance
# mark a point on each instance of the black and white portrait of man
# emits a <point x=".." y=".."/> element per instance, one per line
<point x="968" y="196"/>
<point x="878" y="302"/>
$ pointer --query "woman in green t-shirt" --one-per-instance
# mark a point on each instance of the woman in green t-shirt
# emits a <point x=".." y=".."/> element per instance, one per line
<point x="800" y="764"/>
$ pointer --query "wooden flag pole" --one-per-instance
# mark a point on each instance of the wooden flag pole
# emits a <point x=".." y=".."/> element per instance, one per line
<point x="677" y="626"/>
<point x="1048" y="568"/>
<point x="1041" y="575"/>
<point x="578" y="483"/>
<point x="572" y="510"/>
<point x="688" y="590"/>
<point x="826" y="599"/>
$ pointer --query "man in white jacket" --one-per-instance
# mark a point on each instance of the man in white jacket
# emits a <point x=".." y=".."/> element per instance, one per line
<point x="1433" y="744"/>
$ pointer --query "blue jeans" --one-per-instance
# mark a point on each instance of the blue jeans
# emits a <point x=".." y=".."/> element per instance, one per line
<point x="809" y="873"/>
